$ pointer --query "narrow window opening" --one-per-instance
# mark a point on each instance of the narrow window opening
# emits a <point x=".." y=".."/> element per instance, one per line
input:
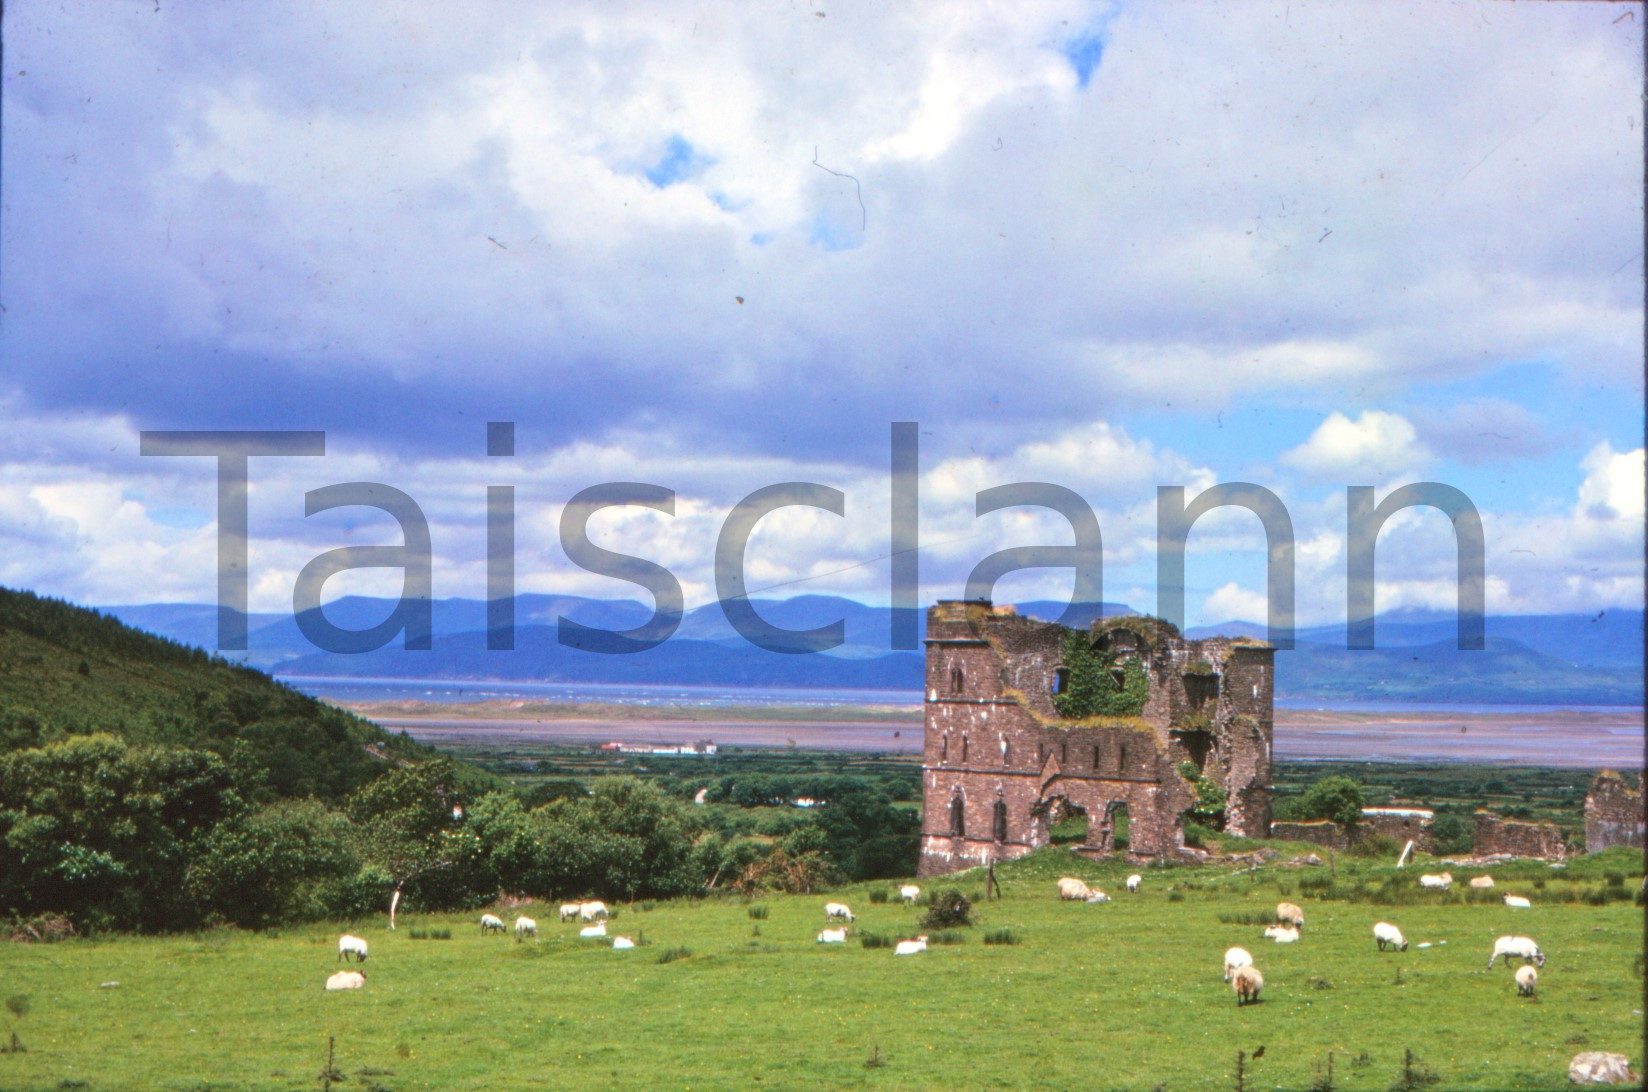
<point x="1061" y="680"/>
<point x="958" y="680"/>
<point x="1001" y="821"/>
<point x="958" y="816"/>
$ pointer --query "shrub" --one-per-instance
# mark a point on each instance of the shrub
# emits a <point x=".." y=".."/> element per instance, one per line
<point x="1197" y="835"/>
<point x="1000" y="936"/>
<point x="878" y="896"/>
<point x="758" y="911"/>
<point x="948" y="910"/>
<point x="875" y="940"/>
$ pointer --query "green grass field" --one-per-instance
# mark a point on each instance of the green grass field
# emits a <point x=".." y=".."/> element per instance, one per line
<point x="1127" y="994"/>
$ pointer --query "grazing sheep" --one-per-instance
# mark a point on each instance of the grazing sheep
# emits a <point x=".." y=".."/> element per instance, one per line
<point x="569" y="910"/>
<point x="1526" y="979"/>
<point x="1440" y="883"/>
<point x="1073" y="889"/>
<point x="1516" y="946"/>
<point x="1389" y="935"/>
<point x="1236" y="958"/>
<point x="833" y="936"/>
<point x="525" y="927"/>
<point x="1289" y="914"/>
<point x="833" y="910"/>
<point x="1133" y="883"/>
<point x="492" y="923"/>
<point x="346" y="980"/>
<point x="351" y="946"/>
<point x="1517" y="902"/>
<point x="1482" y="883"/>
<point x="909" y="892"/>
<point x="621" y="943"/>
<point x="1247" y="982"/>
<point x="599" y="929"/>
<point x="589" y="911"/>
<point x="1282" y="934"/>
<point x="911" y="947"/>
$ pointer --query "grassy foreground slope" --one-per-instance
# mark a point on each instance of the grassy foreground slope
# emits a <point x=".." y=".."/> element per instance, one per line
<point x="66" y="670"/>
<point x="1122" y="995"/>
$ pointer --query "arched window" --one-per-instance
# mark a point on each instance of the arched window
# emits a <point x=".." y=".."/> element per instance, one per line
<point x="958" y="680"/>
<point x="1000" y="825"/>
<point x="944" y="744"/>
<point x="958" y="816"/>
<point x="1004" y="750"/>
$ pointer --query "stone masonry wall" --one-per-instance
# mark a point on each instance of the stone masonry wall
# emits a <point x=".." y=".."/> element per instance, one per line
<point x="1614" y="813"/>
<point x="1494" y="834"/>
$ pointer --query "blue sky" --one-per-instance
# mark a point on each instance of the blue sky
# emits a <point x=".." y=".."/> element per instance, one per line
<point x="1106" y="246"/>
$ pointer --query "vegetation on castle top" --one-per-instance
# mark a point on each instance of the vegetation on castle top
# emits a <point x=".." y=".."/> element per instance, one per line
<point x="1090" y="687"/>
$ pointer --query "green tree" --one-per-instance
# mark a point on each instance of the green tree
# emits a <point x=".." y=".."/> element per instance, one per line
<point x="1451" y="834"/>
<point x="1090" y="688"/>
<point x="284" y="862"/>
<point x="1335" y="797"/>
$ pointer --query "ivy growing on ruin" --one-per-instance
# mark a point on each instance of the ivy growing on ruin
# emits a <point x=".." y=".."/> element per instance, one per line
<point x="1090" y="688"/>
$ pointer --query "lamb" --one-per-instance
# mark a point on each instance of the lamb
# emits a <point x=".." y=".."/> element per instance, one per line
<point x="1236" y="958"/>
<point x="1247" y="982"/>
<point x="1282" y="934"/>
<point x="1387" y="934"/>
<point x="1482" y="883"/>
<point x="351" y="946"/>
<point x="569" y="910"/>
<point x="1526" y="979"/>
<point x="1289" y="914"/>
<point x="1440" y="883"/>
<point x="589" y="911"/>
<point x="346" y="980"/>
<point x="1517" y="902"/>
<point x="1516" y="946"/>
<point x="1133" y="883"/>
<point x="911" y="947"/>
<point x="621" y="943"/>
<point x="833" y="936"/>
<point x="491" y="923"/>
<point x="525" y="927"/>
<point x="599" y="929"/>
<point x="909" y="892"/>
<point x="833" y="910"/>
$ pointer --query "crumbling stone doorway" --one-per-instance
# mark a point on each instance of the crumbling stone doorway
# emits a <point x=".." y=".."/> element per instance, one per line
<point x="1114" y="828"/>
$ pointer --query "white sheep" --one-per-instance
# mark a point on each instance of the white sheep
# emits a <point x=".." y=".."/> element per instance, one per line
<point x="349" y="946"/>
<point x="569" y="910"/>
<point x="1133" y="883"/>
<point x="911" y="947"/>
<point x="1282" y="934"/>
<point x="1236" y="958"/>
<point x="492" y="923"/>
<point x="834" y="910"/>
<point x="525" y="927"/>
<point x="622" y="943"/>
<point x="1288" y="913"/>
<point x="1516" y="946"/>
<point x="833" y="936"/>
<point x="590" y="911"/>
<point x="1526" y="979"/>
<point x="1389" y="935"/>
<point x="599" y="929"/>
<point x="346" y="980"/>
<point x="1247" y="982"/>
<point x="1073" y="889"/>
<point x="909" y="892"/>
<point x="1517" y="902"/>
<point x="1440" y="883"/>
<point x="1482" y="883"/>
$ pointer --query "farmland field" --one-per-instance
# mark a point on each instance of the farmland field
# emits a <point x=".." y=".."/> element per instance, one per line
<point x="1121" y="995"/>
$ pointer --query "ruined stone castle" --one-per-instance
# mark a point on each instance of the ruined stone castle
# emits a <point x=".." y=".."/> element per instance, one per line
<point x="1028" y="721"/>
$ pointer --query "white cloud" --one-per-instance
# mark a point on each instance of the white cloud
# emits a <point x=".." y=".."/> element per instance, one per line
<point x="1231" y="602"/>
<point x="1377" y="446"/>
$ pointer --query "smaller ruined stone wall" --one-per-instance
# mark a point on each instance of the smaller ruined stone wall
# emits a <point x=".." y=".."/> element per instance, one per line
<point x="1322" y="832"/>
<point x="1403" y="828"/>
<point x="1613" y="814"/>
<point x="1494" y="834"/>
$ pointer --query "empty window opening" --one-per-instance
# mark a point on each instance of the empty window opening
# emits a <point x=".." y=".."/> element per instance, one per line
<point x="958" y="680"/>
<point x="1004" y="750"/>
<point x="944" y="748"/>
<point x="1000" y="824"/>
<point x="958" y="816"/>
<point x="1200" y="690"/>
<point x="1061" y="680"/>
<point x="964" y="746"/>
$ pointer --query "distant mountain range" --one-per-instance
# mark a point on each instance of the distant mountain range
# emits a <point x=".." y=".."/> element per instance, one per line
<point x="1534" y="659"/>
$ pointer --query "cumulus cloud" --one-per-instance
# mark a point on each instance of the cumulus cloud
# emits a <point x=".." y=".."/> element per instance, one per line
<point x="1377" y="446"/>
